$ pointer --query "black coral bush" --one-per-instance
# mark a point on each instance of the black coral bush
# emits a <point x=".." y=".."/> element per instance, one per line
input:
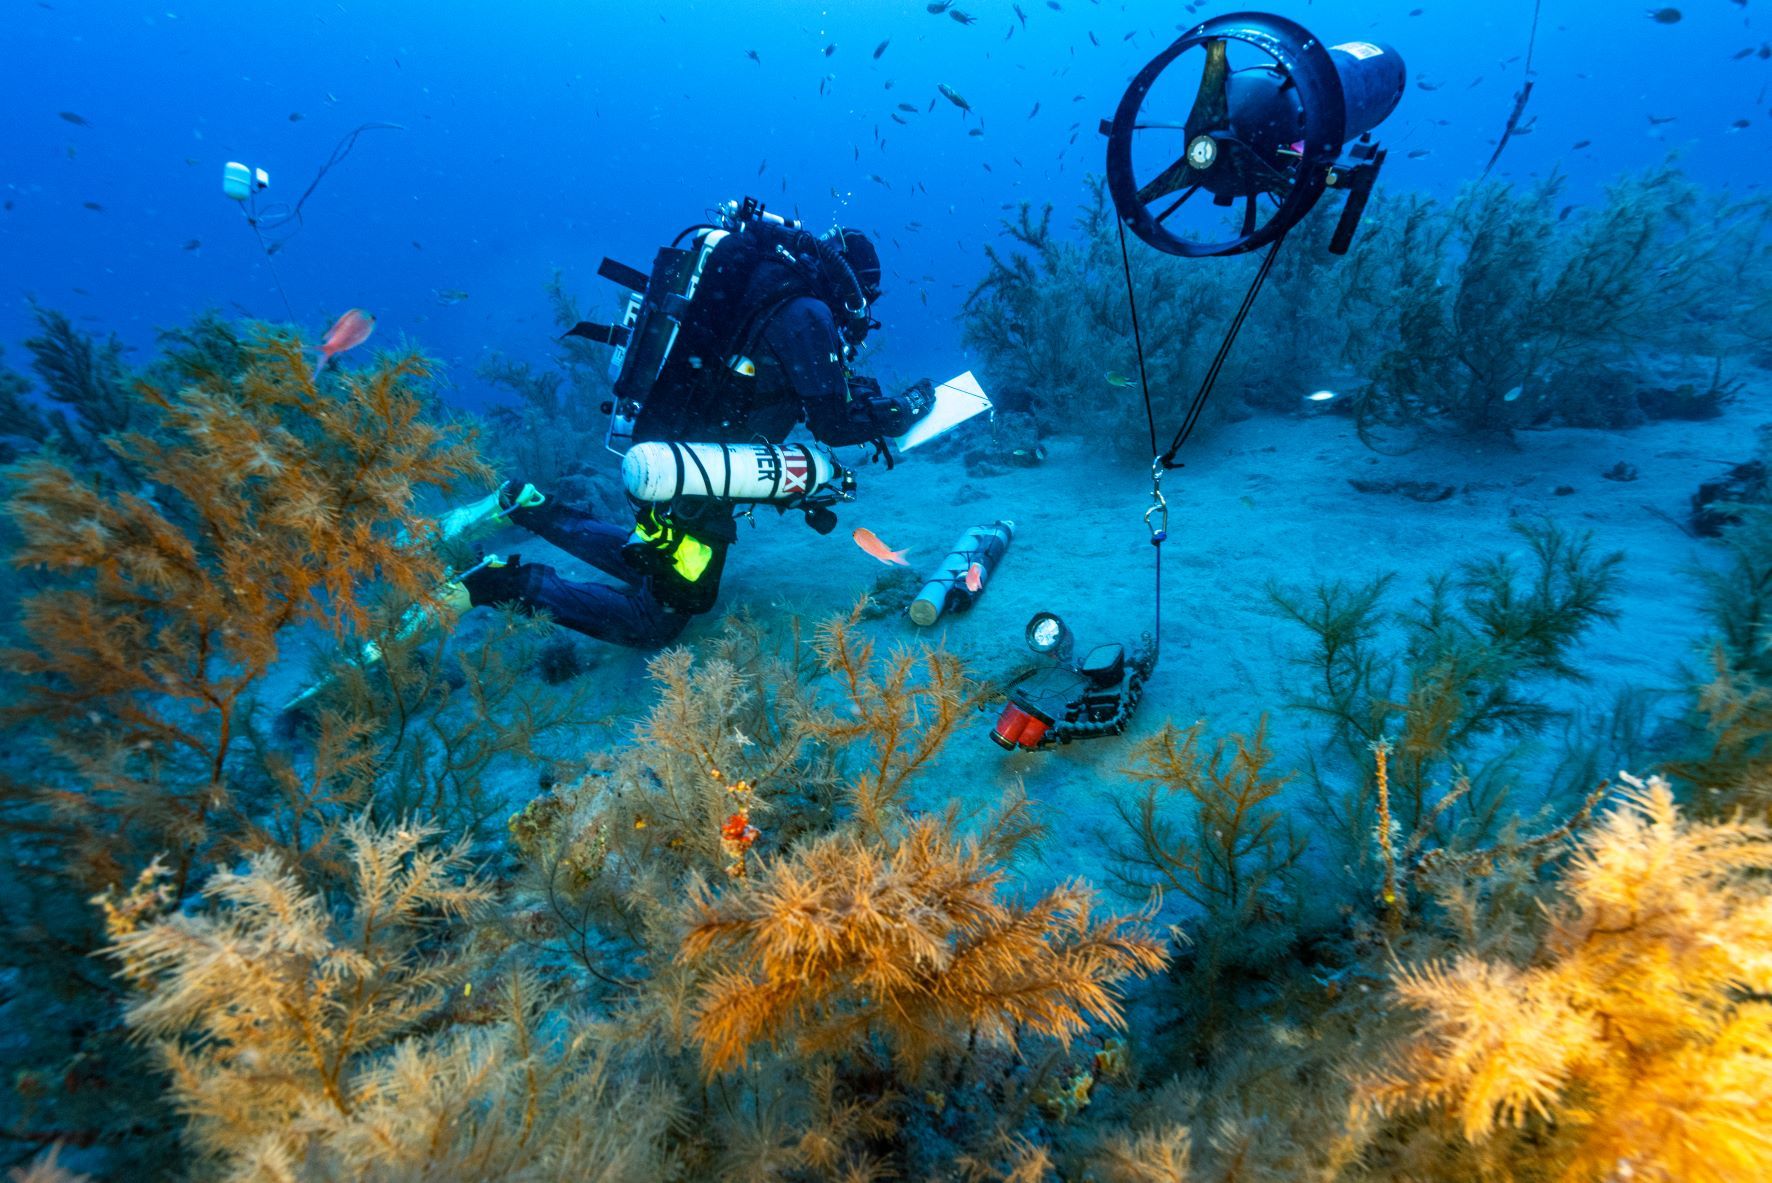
<point x="267" y="503"/>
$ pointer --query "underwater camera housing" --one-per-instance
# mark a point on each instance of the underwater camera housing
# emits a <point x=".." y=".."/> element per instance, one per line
<point x="1270" y="130"/>
<point x="1068" y="700"/>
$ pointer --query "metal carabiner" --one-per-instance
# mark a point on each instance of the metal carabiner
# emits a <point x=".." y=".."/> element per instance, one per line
<point x="1159" y="507"/>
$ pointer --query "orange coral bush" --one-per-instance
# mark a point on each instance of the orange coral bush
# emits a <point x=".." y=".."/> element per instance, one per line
<point x="266" y="502"/>
<point x="1637" y="1042"/>
<point x="908" y="939"/>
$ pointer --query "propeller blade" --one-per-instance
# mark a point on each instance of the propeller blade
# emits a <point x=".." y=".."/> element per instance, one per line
<point x="1211" y="113"/>
<point x="1212" y="107"/>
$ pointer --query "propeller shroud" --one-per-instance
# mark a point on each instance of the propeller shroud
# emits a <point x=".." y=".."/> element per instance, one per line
<point x="1215" y="160"/>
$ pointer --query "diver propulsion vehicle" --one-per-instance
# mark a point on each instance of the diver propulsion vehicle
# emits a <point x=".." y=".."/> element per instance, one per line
<point x="948" y="589"/>
<point x="1277" y="119"/>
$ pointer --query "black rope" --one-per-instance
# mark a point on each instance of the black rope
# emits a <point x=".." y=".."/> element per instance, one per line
<point x="1163" y="460"/>
<point x="280" y="214"/>
<point x="1167" y="459"/>
<point x="1532" y="40"/>
<point x="1150" y="416"/>
<point x="1520" y="96"/>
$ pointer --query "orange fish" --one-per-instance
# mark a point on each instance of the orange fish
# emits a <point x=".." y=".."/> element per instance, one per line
<point x="974" y="577"/>
<point x="865" y="539"/>
<point x="347" y="332"/>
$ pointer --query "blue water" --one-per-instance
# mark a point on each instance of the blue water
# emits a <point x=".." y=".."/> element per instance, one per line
<point x="547" y="135"/>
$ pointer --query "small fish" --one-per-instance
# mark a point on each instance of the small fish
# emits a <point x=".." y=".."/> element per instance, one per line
<point x="74" y="117"/>
<point x="1743" y="53"/>
<point x="1115" y="378"/>
<point x="193" y="244"/>
<point x="1424" y="84"/>
<point x="417" y="245"/>
<point x="1658" y="120"/>
<point x="1054" y="5"/>
<point x="963" y="17"/>
<point x="977" y="131"/>
<point x="752" y="54"/>
<point x="881" y="48"/>
<point x="1035" y="111"/>
<point x="1741" y="124"/>
<point x="940" y="6"/>
<point x="347" y="332"/>
<point x="1093" y="41"/>
<point x="449" y="295"/>
<point x="1416" y="11"/>
<point x="953" y="96"/>
<point x="830" y="49"/>
<point x="873" y="547"/>
<point x="1418" y="153"/>
<point x="1665" y="16"/>
<point x="94" y="206"/>
<point x="974" y="578"/>
<point x="877" y="179"/>
<point x="1579" y="145"/>
<point x="761" y="167"/>
<point x="295" y="117"/>
<point x="1020" y="15"/>
<point x="1513" y="395"/>
<point x="911" y="107"/>
<point x="1321" y="396"/>
<point x="897" y="118"/>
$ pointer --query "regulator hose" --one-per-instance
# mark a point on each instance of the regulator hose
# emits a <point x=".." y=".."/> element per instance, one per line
<point x="835" y="270"/>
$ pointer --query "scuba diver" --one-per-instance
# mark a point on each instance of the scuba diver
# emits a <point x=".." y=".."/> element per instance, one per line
<point x="726" y="346"/>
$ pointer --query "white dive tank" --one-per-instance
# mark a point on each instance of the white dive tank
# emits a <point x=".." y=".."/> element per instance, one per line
<point x="659" y="472"/>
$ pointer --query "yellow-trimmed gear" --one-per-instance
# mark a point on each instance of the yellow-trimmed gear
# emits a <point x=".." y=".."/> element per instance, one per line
<point x="689" y="555"/>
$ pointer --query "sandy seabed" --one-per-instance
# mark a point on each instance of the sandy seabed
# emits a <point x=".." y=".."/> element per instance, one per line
<point x="1263" y="500"/>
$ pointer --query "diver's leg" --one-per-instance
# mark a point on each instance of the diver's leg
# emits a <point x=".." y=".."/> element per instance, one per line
<point x="620" y="615"/>
<point x="580" y="535"/>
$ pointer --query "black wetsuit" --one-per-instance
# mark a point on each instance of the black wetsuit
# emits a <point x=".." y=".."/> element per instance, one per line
<point x="800" y="373"/>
